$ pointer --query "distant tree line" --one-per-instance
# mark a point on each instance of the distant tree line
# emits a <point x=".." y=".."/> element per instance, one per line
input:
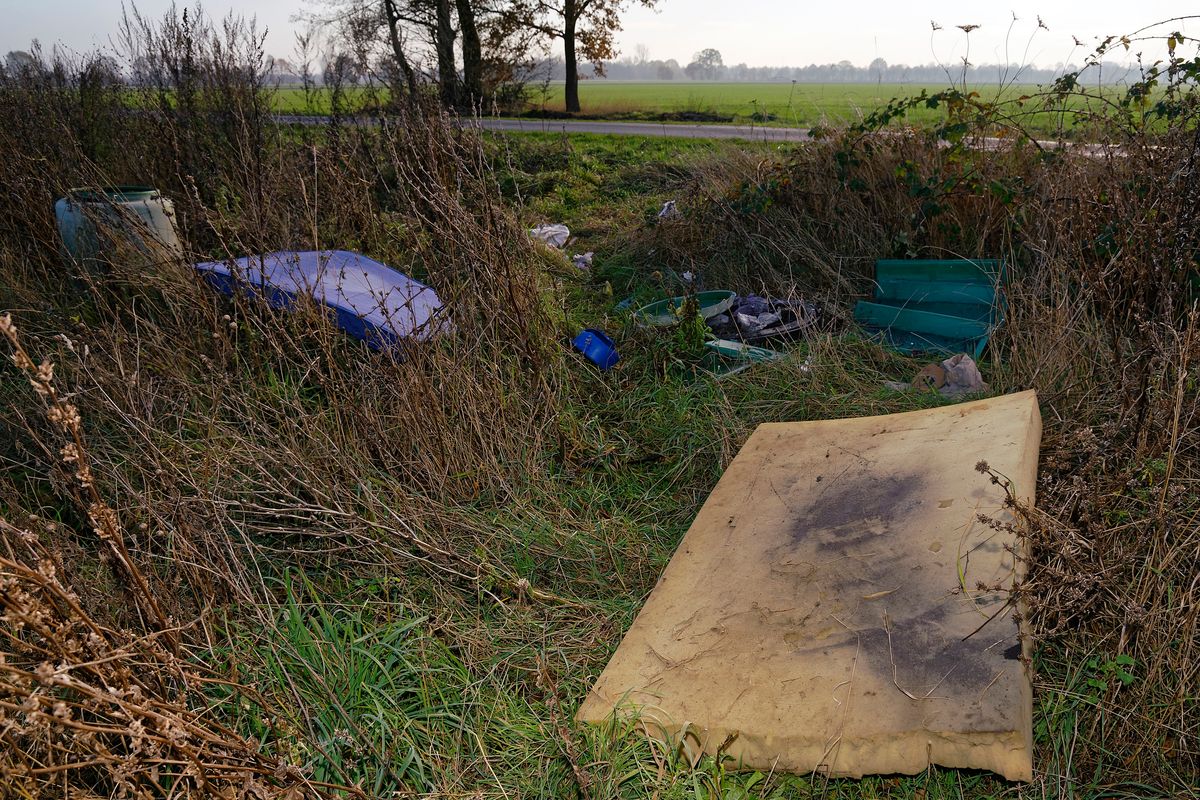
<point x="707" y="65"/>
<point x="472" y="53"/>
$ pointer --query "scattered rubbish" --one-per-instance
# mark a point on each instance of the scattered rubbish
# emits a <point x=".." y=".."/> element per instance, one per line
<point x="371" y="301"/>
<point x="669" y="211"/>
<point x="666" y="312"/>
<point x="583" y="260"/>
<point x="934" y="306"/>
<point x="596" y="347"/>
<point x="736" y="323"/>
<point x="757" y="319"/>
<point x="811" y="587"/>
<point x="555" y="235"/>
<point x="955" y="377"/>
<point x="931" y="376"/>
<point x="140" y="214"/>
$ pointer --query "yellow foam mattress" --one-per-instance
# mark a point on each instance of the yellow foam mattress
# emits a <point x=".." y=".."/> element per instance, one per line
<point x="842" y="603"/>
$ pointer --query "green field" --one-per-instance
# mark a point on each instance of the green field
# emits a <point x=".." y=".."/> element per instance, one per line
<point x="775" y="104"/>
<point x="782" y="103"/>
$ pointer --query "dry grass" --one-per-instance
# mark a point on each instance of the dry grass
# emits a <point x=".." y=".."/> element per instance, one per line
<point x="204" y="439"/>
<point x="87" y="708"/>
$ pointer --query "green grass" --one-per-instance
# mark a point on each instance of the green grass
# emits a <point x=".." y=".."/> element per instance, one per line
<point x="804" y="104"/>
<point x="291" y="100"/>
<point x="599" y="185"/>
<point x="375" y="689"/>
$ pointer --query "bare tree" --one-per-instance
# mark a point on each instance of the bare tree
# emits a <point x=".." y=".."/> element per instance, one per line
<point x="472" y="53"/>
<point x="444" y="35"/>
<point x="423" y="40"/>
<point x="391" y="14"/>
<point x="587" y="29"/>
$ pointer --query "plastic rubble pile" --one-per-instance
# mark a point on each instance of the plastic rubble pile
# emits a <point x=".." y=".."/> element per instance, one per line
<point x="756" y="319"/>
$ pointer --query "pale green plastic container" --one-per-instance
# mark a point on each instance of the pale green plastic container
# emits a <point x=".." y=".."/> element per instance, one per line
<point x="140" y="215"/>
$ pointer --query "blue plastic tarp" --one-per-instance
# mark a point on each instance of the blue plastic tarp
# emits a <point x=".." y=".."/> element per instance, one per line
<point x="371" y="301"/>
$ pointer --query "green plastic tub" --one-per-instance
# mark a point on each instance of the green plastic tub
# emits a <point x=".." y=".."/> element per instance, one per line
<point x="666" y="312"/>
<point x="741" y="351"/>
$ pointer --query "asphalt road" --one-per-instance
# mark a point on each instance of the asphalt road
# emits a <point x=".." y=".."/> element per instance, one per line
<point x="687" y="131"/>
<point x="684" y="130"/>
<point x="751" y="132"/>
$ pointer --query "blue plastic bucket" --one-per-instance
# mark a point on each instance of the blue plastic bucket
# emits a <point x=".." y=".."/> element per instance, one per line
<point x="596" y="347"/>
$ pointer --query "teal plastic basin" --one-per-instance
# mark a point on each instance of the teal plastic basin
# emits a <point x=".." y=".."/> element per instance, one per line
<point x="666" y="312"/>
<point x="934" y="306"/>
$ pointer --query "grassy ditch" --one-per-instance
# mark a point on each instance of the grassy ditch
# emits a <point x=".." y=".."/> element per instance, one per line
<point x="271" y="563"/>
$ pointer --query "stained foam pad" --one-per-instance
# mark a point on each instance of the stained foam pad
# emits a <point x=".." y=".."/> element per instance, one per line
<point x="842" y="602"/>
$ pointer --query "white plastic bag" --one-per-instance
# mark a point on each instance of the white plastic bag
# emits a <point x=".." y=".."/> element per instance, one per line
<point x="555" y="235"/>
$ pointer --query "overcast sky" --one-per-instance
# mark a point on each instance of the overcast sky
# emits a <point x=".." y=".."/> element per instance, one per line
<point x="757" y="32"/>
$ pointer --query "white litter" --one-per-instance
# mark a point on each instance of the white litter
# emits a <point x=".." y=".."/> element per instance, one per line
<point x="555" y="235"/>
<point x="669" y="211"/>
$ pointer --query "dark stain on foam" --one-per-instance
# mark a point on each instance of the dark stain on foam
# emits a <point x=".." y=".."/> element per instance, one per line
<point x="929" y="659"/>
<point x="856" y="508"/>
<point x="855" y="520"/>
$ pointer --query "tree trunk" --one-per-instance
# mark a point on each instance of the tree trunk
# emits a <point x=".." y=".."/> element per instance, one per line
<point x="472" y="52"/>
<point x="447" y="71"/>
<point x="392" y="14"/>
<point x="570" y="17"/>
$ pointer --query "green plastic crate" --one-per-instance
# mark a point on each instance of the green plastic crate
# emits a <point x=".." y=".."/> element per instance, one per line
<point x="934" y="306"/>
